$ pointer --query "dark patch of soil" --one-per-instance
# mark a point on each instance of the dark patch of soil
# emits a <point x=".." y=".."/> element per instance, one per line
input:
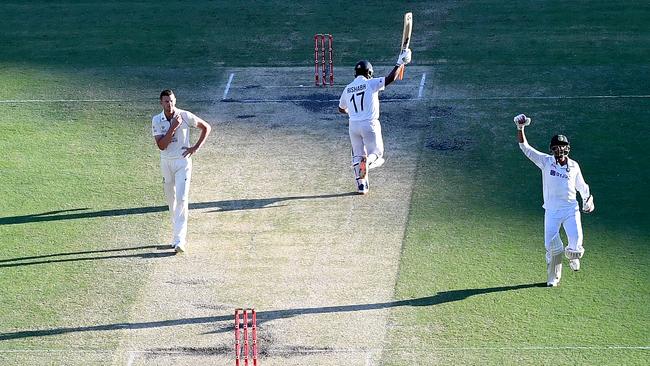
<point x="454" y="144"/>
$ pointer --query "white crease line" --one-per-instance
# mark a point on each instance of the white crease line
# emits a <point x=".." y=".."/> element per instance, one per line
<point x="225" y="92"/>
<point x="132" y="356"/>
<point x="424" y="76"/>
<point x="369" y="358"/>
<point x="72" y="350"/>
<point x="328" y="87"/>
<point x="369" y="351"/>
<point x="549" y="97"/>
<point x="63" y="101"/>
<point x="346" y="350"/>
<point x="272" y="352"/>
<point x="308" y="100"/>
<point x="9" y="101"/>
<point x="541" y="348"/>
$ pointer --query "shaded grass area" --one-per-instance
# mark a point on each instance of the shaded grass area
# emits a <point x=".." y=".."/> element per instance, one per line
<point x="214" y="33"/>
<point x="217" y="33"/>
<point x="546" y="33"/>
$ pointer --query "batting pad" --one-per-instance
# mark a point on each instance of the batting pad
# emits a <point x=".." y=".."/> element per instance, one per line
<point x="556" y="247"/>
<point x="574" y="254"/>
<point x="554" y="269"/>
<point x="356" y="160"/>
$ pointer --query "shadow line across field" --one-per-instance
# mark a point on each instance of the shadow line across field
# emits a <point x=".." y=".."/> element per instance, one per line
<point x="226" y="205"/>
<point x="81" y="256"/>
<point x="266" y="316"/>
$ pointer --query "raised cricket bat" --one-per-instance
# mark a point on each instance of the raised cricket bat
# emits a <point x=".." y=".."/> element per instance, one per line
<point x="406" y="38"/>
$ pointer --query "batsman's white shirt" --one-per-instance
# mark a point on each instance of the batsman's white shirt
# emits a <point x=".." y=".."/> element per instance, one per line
<point x="361" y="98"/>
<point x="560" y="183"/>
<point x="160" y="125"/>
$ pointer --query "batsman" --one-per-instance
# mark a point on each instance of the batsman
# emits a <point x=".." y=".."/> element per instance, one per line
<point x="360" y="101"/>
<point x="561" y="178"/>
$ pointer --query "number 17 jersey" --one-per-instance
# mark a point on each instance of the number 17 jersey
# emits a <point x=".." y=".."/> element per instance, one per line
<point x="361" y="98"/>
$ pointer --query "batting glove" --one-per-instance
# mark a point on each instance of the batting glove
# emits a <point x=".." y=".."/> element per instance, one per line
<point x="588" y="204"/>
<point x="522" y="121"/>
<point x="404" y="57"/>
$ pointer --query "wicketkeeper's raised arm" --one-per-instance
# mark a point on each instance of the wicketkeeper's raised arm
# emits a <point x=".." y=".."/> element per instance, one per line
<point x="403" y="59"/>
<point x="535" y="156"/>
<point x="521" y="121"/>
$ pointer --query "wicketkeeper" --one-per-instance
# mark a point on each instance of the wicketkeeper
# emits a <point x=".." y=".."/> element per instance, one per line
<point x="561" y="178"/>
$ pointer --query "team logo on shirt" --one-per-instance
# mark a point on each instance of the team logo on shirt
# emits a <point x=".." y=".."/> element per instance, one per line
<point x="558" y="174"/>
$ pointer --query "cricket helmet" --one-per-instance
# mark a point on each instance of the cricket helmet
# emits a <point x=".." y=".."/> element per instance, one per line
<point x="363" y="68"/>
<point x="560" y="146"/>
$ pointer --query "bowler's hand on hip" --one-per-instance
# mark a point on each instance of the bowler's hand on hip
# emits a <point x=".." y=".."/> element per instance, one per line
<point x="189" y="151"/>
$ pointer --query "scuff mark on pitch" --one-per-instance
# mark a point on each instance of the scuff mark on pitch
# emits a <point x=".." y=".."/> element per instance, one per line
<point x="316" y="102"/>
<point x="454" y="144"/>
<point x="195" y="351"/>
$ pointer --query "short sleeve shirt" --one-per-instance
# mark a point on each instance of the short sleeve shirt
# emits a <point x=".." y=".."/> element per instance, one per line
<point x="181" y="138"/>
<point x="361" y="98"/>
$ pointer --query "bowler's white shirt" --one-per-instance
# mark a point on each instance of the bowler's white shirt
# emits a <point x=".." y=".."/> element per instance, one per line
<point x="181" y="138"/>
<point x="560" y="182"/>
<point x="361" y="98"/>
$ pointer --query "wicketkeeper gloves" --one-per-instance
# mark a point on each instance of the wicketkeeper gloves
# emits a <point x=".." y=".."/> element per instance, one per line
<point x="588" y="204"/>
<point x="521" y="121"/>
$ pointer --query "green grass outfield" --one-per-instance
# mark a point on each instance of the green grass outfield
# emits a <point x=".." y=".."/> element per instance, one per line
<point x="74" y="174"/>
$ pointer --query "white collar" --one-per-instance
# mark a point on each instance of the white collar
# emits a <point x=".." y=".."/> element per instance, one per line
<point x="164" y="117"/>
<point x="570" y="164"/>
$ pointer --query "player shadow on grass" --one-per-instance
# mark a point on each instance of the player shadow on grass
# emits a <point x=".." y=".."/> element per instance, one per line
<point x="81" y="256"/>
<point x="221" y="206"/>
<point x="267" y="316"/>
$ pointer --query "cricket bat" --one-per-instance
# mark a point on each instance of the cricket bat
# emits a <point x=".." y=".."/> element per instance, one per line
<point x="406" y="38"/>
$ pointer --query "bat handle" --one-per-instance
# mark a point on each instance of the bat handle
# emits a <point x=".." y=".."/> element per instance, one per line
<point x="400" y="73"/>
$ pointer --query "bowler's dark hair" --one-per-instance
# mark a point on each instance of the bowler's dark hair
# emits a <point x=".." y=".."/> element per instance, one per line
<point x="166" y="93"/>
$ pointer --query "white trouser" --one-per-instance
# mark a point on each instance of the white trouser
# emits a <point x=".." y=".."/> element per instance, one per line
<point x="366" y="139"/>
<point x="569" y="218"/>
<point x="177" y="174"/>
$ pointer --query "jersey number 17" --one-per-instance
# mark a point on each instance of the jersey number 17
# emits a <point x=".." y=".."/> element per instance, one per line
<point x="354" y="102"/>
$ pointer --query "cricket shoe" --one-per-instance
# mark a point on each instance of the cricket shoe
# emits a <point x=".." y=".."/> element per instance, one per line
<point x="363" y="168"/>
<point x="554" y="273"/>
<point x="363" y="188"/>
<point x="574" y="264"/>
<point x="377" y="163"/>
<point x="179" y="248"/>
<point x="553" y="283"/>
